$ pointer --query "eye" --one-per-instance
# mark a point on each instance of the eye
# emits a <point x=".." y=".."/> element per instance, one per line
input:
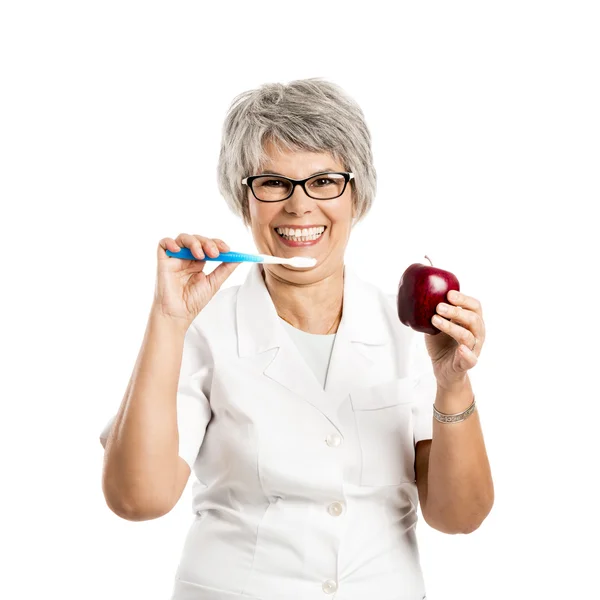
<point x="272" y="183"/>
<point x="323" y="181"/>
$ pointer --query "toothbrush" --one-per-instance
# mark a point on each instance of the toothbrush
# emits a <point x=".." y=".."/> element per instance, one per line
<point x="295" y="261"/>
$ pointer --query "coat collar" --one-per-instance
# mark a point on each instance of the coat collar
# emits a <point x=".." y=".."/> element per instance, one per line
<point x="361" y="345"/>
<point x="259" y="328"/>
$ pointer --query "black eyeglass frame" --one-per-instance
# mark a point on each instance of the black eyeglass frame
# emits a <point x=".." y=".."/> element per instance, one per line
<point x="301" y="182"/>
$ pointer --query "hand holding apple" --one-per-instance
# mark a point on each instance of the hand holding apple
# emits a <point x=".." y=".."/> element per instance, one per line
<point x="429" y="301"/>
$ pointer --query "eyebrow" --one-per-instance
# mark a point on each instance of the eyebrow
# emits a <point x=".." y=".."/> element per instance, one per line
<point x="325" y="170"/>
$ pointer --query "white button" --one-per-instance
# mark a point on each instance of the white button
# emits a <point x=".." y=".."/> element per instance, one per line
<point x="329" y="586"/>
<point x="335" y="509"/>
<point x="333" y="440"/>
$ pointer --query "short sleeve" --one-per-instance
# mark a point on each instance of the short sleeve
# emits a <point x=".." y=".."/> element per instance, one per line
<point x="106" y="429"/>
<point x="193" y="407"/>
<point x="425" y="389"/>
<point x="193" y="392"/>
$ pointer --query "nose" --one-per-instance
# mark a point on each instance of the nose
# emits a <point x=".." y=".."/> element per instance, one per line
<point x="299" y="202"/>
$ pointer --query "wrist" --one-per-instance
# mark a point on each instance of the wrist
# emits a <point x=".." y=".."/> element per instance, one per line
<point x="455" y="398"/>
<point x="160" y="319"/>
<point x="458" y="385"/>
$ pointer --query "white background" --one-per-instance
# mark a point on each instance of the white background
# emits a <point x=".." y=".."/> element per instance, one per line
<point x="486" y="136"/>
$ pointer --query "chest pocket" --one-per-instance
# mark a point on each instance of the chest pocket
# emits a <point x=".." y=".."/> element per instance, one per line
<point x="383" y="415"/>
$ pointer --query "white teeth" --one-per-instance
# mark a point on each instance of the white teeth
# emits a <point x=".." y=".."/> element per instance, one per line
<point x="301" y="235"/>
<point x="307" y="233"/>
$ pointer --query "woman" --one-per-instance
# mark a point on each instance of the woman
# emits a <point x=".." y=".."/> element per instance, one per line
<point x="302" y="404"/>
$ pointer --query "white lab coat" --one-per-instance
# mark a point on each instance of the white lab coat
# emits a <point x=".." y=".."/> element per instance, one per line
<point x="301" y="492"/>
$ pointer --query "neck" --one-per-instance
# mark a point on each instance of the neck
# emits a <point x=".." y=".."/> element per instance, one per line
<point x="312" y="307"/>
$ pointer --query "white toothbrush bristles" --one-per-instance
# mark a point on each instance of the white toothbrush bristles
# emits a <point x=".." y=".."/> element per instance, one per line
<point x="294" y="261"/>
<point x="303" y="261"/>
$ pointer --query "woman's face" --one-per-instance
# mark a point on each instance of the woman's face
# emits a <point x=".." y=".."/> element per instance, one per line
<point x="299" y="211"/>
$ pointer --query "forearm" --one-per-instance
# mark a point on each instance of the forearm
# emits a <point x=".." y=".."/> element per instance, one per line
<point x="460" y="490"/>
<point x="141" y="453"/>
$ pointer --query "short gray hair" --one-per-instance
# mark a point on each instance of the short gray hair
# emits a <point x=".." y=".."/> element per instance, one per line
<point x="307" y="114"/>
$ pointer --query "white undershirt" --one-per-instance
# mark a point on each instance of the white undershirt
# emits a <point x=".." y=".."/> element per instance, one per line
<point x="315" y="348"/>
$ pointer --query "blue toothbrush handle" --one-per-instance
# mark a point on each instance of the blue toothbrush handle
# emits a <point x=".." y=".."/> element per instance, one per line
<point x="223" y="256"/>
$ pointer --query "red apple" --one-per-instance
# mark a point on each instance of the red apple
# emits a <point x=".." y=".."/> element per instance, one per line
<point x="421" y="289"/>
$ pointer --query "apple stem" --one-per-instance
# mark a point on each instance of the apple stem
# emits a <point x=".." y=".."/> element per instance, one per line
<point x="427" y="257"/>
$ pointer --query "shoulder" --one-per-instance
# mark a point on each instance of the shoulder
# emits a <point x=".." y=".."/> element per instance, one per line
<point x="409" y="342"/>
<point x="406" y="340"/>
<point x="377" y="308"/>
<point x="388" y="302"/>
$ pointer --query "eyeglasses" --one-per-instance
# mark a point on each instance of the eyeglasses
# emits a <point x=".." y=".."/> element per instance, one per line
<point x="275" y="188"/>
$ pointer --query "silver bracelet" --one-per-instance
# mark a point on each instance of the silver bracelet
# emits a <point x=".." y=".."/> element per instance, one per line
<point x="457" y="418"/>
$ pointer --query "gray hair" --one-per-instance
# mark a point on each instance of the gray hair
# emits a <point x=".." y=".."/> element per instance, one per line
<point x="306" y="114"/>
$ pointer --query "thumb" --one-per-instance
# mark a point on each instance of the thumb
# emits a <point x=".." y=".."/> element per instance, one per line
<point x="218" y="276"/>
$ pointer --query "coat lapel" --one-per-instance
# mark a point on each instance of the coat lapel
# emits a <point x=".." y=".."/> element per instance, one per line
<point x="363" y="340"/>
<point x="360" y="345"/>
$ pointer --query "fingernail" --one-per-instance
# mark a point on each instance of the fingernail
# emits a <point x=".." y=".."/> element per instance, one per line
<point x="443" y="308"/>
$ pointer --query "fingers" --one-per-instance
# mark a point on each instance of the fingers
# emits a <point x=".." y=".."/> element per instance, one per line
<point x="169" y="244"/>
<point x="222" y="245"/>
<point x="200" y="246"/>
<point x="466" y="312"/>
<point x="466" y="318"/>
<point x="455" y="331"/>
<point x="464" y="301"/>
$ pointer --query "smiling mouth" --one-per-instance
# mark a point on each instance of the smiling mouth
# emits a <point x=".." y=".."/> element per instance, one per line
<point x="301" y="235"/>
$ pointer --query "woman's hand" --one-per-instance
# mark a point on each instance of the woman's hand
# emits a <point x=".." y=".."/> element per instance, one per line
<point x="182" y="289"/>
<point x="450" y="350"/>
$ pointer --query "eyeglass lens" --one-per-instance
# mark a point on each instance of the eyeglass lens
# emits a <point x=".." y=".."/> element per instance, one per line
<point x="323" y="187"/>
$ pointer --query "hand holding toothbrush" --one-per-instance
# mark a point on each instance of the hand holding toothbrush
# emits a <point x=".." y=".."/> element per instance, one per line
<point x="182" y="289"/>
